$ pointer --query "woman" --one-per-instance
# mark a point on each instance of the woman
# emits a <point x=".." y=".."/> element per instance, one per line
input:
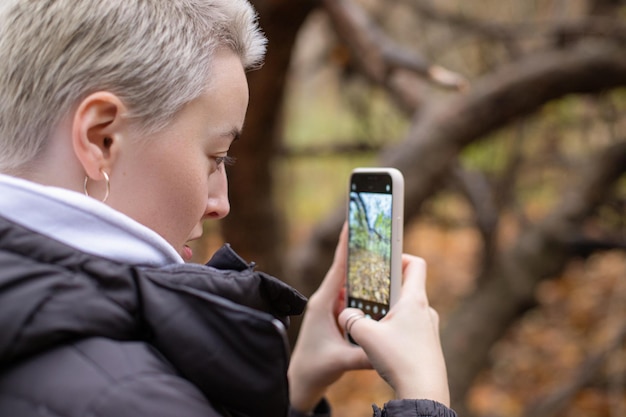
<point x="115" y="124"/>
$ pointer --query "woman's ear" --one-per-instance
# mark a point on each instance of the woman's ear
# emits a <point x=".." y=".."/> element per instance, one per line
<point x="97" y="131"/>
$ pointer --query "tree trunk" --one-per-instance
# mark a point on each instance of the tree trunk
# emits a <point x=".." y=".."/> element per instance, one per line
<point x="255" y="230"/>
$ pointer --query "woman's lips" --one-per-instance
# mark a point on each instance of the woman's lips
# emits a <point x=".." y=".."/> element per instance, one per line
<point x="187" y="253"/>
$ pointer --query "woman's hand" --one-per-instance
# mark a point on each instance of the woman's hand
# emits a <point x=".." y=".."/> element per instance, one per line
<point x="404" y="347"/>
<point x="321" y="354"/>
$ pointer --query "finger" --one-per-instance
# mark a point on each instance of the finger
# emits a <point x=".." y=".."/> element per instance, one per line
<point x="434" y="318"/>
<point x="414" y="274"/>
<point x="356" y="323"/>
<point x="335" y="278"/>
<point x="354" y="358"/>
<point x="340" y="302"/>
<point x="347" y="316"/>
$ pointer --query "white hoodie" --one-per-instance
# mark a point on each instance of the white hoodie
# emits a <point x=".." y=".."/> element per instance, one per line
<point x="83" y="223"/>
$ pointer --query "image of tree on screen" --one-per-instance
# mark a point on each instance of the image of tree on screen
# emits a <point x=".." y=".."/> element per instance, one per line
<point x="370" y="246"/>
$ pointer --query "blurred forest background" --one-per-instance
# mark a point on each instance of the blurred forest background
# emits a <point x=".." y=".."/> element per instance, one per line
<point x="508" y="121"/>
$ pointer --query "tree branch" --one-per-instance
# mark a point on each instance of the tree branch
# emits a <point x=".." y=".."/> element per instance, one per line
<point x="377" y="56"/>
<point x="516" y="90"/>
<point x="480" y="195"/>
<point x="592" y="27"/>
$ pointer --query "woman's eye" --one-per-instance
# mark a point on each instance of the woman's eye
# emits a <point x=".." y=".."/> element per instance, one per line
<point x="225" y="160"/>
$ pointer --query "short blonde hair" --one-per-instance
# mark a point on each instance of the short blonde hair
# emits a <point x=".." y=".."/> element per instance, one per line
<point x="155" y="55"/>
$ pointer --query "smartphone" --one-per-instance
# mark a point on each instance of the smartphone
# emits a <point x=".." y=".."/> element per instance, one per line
<point x="375" y="225"/>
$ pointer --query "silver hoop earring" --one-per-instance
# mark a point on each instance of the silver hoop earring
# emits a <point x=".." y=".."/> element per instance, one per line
<point x="107" y="182"/>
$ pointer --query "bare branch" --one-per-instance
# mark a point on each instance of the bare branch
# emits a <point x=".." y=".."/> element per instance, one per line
<point x="596" y="27"/>
<point x="377" y="55"/>
<point x="477" y="190"/>
<point x="480" y="195"/>
<point x="319" y="148"/>
<point x="515" y="91"/>
<point x="485" y="29"/>
<point x="592" y="27"/>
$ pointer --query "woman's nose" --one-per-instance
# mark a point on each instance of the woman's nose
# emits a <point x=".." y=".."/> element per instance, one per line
<point x="217" y="208"/>
<point x="218" y="205"/>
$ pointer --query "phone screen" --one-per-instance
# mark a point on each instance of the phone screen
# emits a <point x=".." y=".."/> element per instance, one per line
<point x="369" y="247"/>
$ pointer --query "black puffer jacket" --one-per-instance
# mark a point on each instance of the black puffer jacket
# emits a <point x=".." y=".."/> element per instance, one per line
<point x="84" y="336"/>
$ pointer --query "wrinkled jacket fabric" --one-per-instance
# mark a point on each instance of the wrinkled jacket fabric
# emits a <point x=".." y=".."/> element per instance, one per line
<point x="85" y="336"/>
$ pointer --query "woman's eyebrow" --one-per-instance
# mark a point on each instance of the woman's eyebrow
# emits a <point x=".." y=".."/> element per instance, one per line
<point x="234" y="134"/>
